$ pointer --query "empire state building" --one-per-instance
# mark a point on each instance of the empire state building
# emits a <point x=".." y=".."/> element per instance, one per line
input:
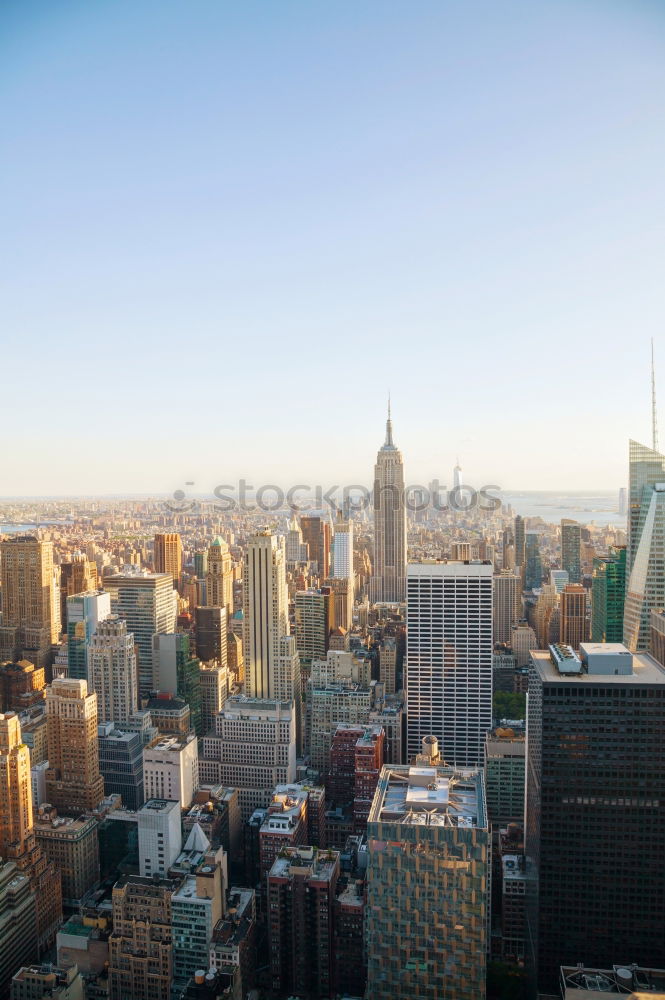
<point x="389" y="581"/>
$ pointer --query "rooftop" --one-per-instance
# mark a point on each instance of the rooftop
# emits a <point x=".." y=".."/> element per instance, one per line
<point x="580" y="983"/>
<point x="646" y="670"/>
<point x="430" y="796"/>
<point x="311" y="861"/>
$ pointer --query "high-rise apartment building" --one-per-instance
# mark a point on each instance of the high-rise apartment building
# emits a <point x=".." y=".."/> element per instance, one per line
<point x="389" y="579"/>
<point x="316" y="536"/>
<point x="608" y="596"/>
<point x="301" y="896"/>
<point x="73" y="782"/>
<point x="573" y="624"/>
<point x="595" y="790"/>
<point x="148" y="603"/>
<point x="168" y="555"/>
<point x="449" y="658"/>
<point x="219" y="577"/>
<point x="112" y="670"/>
<point x="30" y="618"/>
<point x="253" y="749"/>
<point x="571" y="549"/>
<point x="507" y="604"/>
<point x="84" y="611"/>
<point x="211" y="634"/>
<point x="428" y="841"/>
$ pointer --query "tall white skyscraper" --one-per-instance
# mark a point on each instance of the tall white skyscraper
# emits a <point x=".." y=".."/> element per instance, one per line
<point x="271" y="663"/>
<point x="645" y="590"/>
<point x="449" y="658"/>
<point x="388" y="582"/>
<point x="112" y="670"/>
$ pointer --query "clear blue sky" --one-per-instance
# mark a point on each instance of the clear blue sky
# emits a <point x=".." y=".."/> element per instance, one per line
<point x="229" y="228"/>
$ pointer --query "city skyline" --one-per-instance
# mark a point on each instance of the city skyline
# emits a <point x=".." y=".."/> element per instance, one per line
<point x="460" y="183"/>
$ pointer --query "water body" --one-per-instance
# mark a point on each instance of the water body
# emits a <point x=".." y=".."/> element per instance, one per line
<point x="585" y="507"/>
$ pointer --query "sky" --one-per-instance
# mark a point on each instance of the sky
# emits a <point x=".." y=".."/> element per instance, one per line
<point x="229" y="230"/>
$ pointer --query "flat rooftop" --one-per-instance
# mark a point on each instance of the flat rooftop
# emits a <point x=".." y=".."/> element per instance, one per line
<point x="430" y="796"/>
<point x="646" y="670"/>
<point x="580" y="983"/>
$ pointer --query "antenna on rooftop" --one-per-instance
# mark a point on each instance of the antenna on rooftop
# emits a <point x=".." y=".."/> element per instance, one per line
<point x="654" y="422"/>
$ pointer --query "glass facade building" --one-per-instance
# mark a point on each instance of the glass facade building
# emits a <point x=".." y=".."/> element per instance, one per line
<point x="608" y="595"/>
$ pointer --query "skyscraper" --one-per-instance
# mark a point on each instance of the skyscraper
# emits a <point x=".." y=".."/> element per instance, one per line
<point x="148" y="603"/>
<point x="73" y="781"/>
<point x="428" y="841"/>
<point x="595" y="809"/>
<point x="265" y="622"/>
<point x="571" y="549"/>
<point x="76" y="577"/>
<point x="608" y="596"/>
<point x="573" y="627"/>
<point x="219" y="577"/>
<point x="533" y="573"/>
<point x="316" y="536"/>
<point x="520" y="541"/>
<point x="168" y="555"/>
<point x="30" y="619"/>
<point x="112" y="670"/>
<point x="84" y="612"/>
<point x="645" y="590"/>
<point x="507" y="604"/>
<point x="314" y="621"/>
<point x="17" y="837"/>
<point x="342" y="549"/>
<point x="449" y="658"/>
<point x="389" y="578"/>
<point x="211" y="634"/>
<point x="177" y="671"/>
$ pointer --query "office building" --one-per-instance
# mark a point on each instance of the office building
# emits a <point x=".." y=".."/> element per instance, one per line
<point x="522" y="641"/>
<point x="301" y="897"/>
<point x="342" y="550"/>
<point x="316" y="536"/>
<point x="17" y="838"/>
<point x="389" y="577"/>
<point x="533" y="572"/>
<point x="159" y="836"/>
<point x="608" y="597"/>
<point x="314" y="621"/>
<point x="341" y="597"/>
<point x="338" y="692"/>
<point x="219" y="577"/>
<point x="168" y="555"/>
<point x="297" y="551"/>
<point x="507" y="604"/>
<point x="253" y="749"/>
<point x="171" y="769"/>
<point x="623" y="979"/>
<point x="112" y="670"/>
<point x="559" y="578"/>
<point x="519" y="535"/>
<point x="170" y="714"/>
<point x="211" y="634"/>
<point x="18" y="939"/>
<point x="214" y="687"/>
<point x="595" y="791"/>
<point x="121" y="764"/>
<point x="388" y="664"/>
<point x="428" y="841"/>
<point x="645" y="590"/>
<point x="73" y="782"/>
<point x="177" y="671"/>
<point x="76" y="577"/>
<point x="573" y="628"/>
<point x="504" y="776"/>
<point x="657" y="636"/>
<point x="449" y="658"/>
<point x="30" y="613"/>
<point x="571" y="550"/>
<point x="349" y="939"/>
<point x="84" y="613"/>
<point x="33" y="729"/>
<point x="148" y="603"/>
<point x="73" y="847"/>
<point x="140" y="946"/>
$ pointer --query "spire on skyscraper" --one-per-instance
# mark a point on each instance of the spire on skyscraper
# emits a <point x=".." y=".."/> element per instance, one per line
<point x="389" y="443"/>
<point x="654" y="424"/>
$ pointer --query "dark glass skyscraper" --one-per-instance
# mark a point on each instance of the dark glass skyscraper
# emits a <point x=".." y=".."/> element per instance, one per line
<point x="608" y="595"/>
